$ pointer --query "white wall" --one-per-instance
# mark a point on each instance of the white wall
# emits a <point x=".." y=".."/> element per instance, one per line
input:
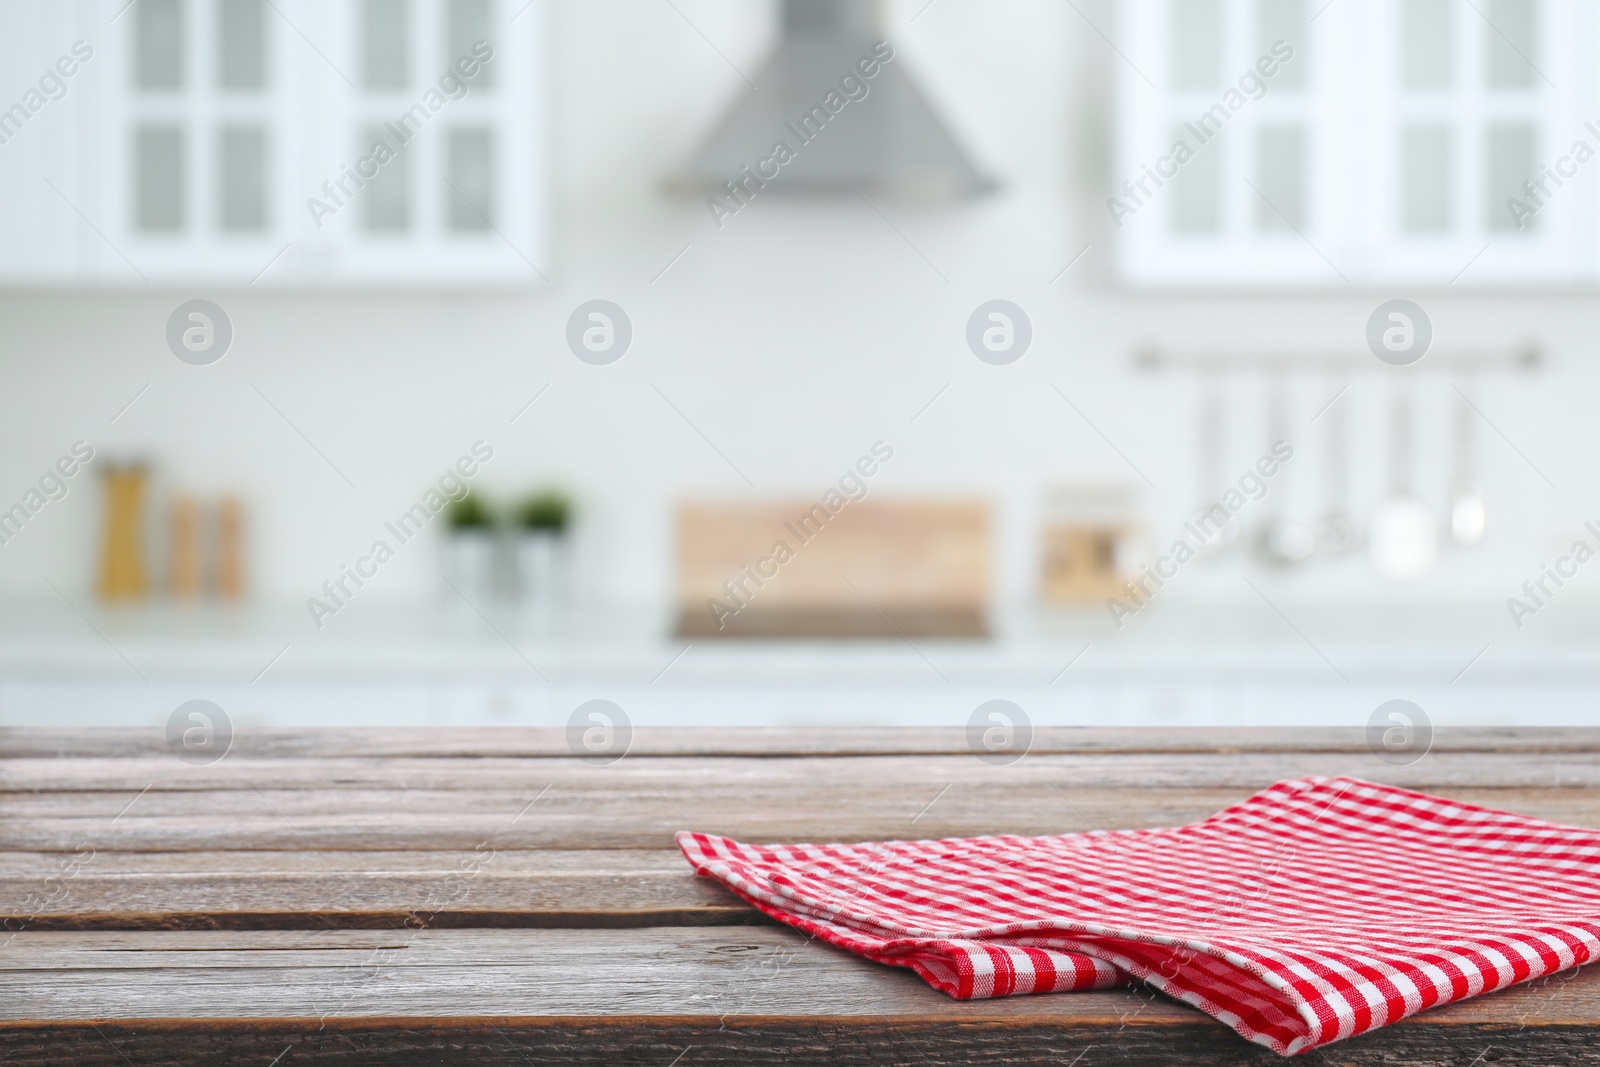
<point x="793" y="338"/>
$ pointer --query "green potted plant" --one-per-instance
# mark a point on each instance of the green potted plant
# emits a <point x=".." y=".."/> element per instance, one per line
<point x="540" y="522"/>
<point x="469" y="547"/>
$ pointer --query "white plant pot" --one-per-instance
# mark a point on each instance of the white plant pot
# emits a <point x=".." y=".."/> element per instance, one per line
<point x="541" y="558"/>
<point x="469" y="564"/>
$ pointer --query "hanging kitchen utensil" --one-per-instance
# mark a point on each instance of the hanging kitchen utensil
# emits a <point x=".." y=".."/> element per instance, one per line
<point x="1403" y="542"/>
<point x="1282" y="542"/>
<point x="1336" y="532"/>
<point x="1467" y="512"/>
<point x="1220" y="537"/>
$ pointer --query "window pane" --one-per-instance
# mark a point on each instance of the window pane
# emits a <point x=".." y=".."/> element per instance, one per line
<point x="241" y="44"/>
<point x="469" y="194"/>
<point x="1197" y="190"/>
<point x="1511" y="152"/>
<point x="1195" y="43"/>
<point x="387" y="43"/>
<point x="467" y="24"/>
<point x="1427" y="43"/>
<point x="158" y="167"/>
<point x="1281" y="178"/>
<point x="1285" y="20"/>
<point x="243" y="197"/>
<point x="387" y="203"/>
<point x="1512" y="37"/>
<point x="1427" y="178"/>
<point x="158" y="44"/>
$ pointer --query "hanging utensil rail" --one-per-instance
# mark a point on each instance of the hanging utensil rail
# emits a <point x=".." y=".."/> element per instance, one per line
<point x="1528" y="357"/>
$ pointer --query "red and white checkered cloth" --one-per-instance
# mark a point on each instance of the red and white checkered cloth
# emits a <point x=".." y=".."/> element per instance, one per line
<point x="1317" y="909"/>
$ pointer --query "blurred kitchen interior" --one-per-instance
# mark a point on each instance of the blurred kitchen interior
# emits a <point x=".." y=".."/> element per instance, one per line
<point x="776" y="347"/>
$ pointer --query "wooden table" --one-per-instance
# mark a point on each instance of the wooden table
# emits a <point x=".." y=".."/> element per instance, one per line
<point x="484" y="897"/>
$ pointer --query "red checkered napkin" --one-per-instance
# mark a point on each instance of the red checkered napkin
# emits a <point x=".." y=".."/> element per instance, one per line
<point x="1317" y="909"/>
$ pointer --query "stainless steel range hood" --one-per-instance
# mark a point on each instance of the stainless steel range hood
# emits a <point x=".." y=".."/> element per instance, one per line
<point x="842" y="126"/>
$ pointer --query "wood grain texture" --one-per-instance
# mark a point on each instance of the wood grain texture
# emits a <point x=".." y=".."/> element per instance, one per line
<point x="688" y="972"/>
<point x="282" y="880"/>
<point x="632" y="1041"/>
<point x="147" y="803"/>
<point x="375" y="890"/>
<point x="520" y="780"/>
<point x="429" y="743"/>
<point x="483" y="897"/>
<point x="753" y="996"/>
<point x="649" y="821"/>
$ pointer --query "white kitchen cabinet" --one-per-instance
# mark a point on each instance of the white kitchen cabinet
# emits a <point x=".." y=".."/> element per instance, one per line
<point x="1369" y="142"/>
<point x="290" y="144"/>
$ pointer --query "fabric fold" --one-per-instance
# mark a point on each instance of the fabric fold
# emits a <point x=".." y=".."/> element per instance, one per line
<point x="1317" y="909"/>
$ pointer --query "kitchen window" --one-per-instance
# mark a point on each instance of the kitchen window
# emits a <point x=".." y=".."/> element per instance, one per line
<point x="1308" y="144"/>
<point x="285" y="143"/>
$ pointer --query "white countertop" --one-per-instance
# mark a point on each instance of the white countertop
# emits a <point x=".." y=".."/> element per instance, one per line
<point x="1168" y="644"/>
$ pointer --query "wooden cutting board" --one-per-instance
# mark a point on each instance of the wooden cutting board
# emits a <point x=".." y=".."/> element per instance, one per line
<point x="797" y="568"/>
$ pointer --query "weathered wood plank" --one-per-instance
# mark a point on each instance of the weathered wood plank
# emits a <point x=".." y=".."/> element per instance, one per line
<point x="534" y="806"/>
<point x="761" y="995"/>
<point x="352" y="890"/>
<point x="333" y="811"/>
<point x="1245" y="770"/>
<point x="497" y="875"/>
<point x="392" y="834"/>
<point x="360" y="974"/>
<point x="652" y="971"/>
<point x="430" y="743"/>
<point x="643" y="814"/>
<point x="630" y="1041"/>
